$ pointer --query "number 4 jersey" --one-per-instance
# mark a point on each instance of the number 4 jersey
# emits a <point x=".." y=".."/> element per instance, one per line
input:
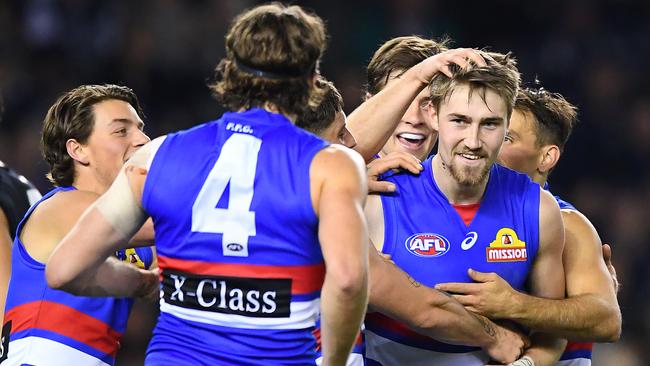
<point x="237" y="243"/>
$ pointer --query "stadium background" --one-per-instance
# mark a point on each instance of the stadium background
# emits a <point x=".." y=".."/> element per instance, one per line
<point x="593" y="52"/>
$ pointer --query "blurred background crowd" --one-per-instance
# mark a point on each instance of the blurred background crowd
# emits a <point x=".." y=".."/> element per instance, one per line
<point x="595" y="53"/>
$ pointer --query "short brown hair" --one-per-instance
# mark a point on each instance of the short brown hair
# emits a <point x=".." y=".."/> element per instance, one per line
<point x="398" y="55"/>
<point x="317" y="119"/>
<point x="500" y="75"/>
<point x="284" y="42"/>
<point x="554" y="115"/>
<point x="72" y="117"/>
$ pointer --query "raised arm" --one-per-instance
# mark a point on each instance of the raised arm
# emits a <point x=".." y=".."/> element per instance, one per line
<point x="339" y="192"/>
<point x="373" y="122"/>
<point x="79" y="263"/>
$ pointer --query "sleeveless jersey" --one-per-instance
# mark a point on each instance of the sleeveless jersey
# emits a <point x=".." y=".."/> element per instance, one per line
<point x="427" y="238"/>
<point x="16" y="195"/>
<point x="51" y="327"/>
<point x="236" y="237"/>
<point x="575" y="353"/>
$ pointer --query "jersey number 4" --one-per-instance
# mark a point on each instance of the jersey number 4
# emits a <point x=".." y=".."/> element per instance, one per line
<point x="236" y="164"/>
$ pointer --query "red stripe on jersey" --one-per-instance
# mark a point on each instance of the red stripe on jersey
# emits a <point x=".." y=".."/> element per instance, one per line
<point x="378" y="320"/>
<point x="66" y="321"/>
<point x="305" y="279"/>
<point x="578" y="346"/>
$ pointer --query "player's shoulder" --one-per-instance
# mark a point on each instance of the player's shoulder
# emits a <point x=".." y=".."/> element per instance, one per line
<point x="575" y="220"/>
<point x="338" y="158"/>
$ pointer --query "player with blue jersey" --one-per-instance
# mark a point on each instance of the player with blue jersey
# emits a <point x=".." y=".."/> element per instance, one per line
<point x="87" y="135"/>
<point x="424" y="309"/>
<point x="462" y="213"/>
<point x="538" y="132"/>
<point x="258" y="223"/>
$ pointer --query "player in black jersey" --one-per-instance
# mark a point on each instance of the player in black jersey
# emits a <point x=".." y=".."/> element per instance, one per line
<point x="16" y="195"/>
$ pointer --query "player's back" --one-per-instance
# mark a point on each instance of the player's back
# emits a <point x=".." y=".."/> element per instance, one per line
<point x="237" y="242"/>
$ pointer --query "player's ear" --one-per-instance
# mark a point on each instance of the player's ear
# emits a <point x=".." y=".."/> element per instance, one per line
<point x="77" y="151"/>
<point x="549" y="158"/>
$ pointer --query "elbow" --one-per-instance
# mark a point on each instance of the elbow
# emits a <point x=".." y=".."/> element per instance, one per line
<point x="57" y="278"/>
<point x="349" y="282"/>
<point x="611" y="328"/>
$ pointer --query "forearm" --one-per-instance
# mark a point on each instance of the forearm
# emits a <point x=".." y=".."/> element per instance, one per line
<point x="342" y="311"/>
<point x="545" y="350"/>
<point x="374" y="121"/>
<point x="578" y="318"/>
<point x="112" y="278"/>
<point x="427" y="311"/>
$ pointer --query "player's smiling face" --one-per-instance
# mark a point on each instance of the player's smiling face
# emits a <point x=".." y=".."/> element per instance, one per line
<point x="415" y="133"/>
<point x="520" y="150"/>
<point x="116" y="135"/>
<point x="472" y="127"/>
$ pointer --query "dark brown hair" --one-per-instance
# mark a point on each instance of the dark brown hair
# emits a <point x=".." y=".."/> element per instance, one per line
<point x="72" y="117"/>
<point x="554" y="115"/>
<point x="272" y="52"/>
<point x="398" y="55"/>
<point x="318" y="119"/>
<point x="500" y="75"/>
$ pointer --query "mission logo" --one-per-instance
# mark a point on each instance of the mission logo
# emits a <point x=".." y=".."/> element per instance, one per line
<point x="506" y="247"/>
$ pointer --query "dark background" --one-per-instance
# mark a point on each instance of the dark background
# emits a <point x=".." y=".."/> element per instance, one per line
<point x="593" y="52"/>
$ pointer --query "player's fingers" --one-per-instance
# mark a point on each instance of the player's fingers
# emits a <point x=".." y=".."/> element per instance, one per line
<point x="474" y="56"/>
<point x="377" y="186"/>
<point x="456" y="287"/>
<point x="481" y="276"/>
<point x="607" y="253"/>
<point x="383" y="165"/>
<point x="459" y="60"/>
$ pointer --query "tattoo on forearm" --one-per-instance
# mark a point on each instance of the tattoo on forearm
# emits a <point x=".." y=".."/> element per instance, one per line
<point x="413" y="281"/>
<point x="487" y="325"/>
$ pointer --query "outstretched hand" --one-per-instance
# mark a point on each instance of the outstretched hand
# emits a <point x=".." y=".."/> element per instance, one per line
<point x="490" y="295"/>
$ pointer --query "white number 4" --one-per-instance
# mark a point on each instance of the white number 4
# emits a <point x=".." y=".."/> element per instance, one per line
<point x="236" y="164"/>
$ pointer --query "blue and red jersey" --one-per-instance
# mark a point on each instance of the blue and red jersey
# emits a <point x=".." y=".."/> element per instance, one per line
<point x="47" y="326"/>
<point x="237" y="243"/>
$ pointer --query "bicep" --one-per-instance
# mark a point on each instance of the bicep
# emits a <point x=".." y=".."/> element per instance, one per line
<point x="584" y="267"/>
<point x="342" y="227"/>
<point x="547" y="277"/>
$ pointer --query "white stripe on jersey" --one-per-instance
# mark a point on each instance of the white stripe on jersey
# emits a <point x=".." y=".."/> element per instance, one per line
<point x="46" y="352"/>
<point x="388" y="353"/>
<point x="354" y="359"/>
<point x="575" y="362"/>
<point x="303" y="315"/>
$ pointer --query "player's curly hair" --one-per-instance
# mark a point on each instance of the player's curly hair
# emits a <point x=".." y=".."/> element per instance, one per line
<point x="72" y="117"/>
<point x="499" y="75"/>
<point x="272" y="54"/>
<point x="554" y="115"/>
<point x="396" y="56"/>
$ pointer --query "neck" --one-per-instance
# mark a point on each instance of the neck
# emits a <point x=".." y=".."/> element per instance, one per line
<point x="540" y="178"/>
<point x="88" y="183"/>
<point x="456" y="193"/>
<point x="270" y="107"/>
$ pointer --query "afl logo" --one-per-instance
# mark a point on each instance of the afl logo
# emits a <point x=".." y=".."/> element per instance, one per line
<point x="427" y="245"/>
<point x="235" y="247"/>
